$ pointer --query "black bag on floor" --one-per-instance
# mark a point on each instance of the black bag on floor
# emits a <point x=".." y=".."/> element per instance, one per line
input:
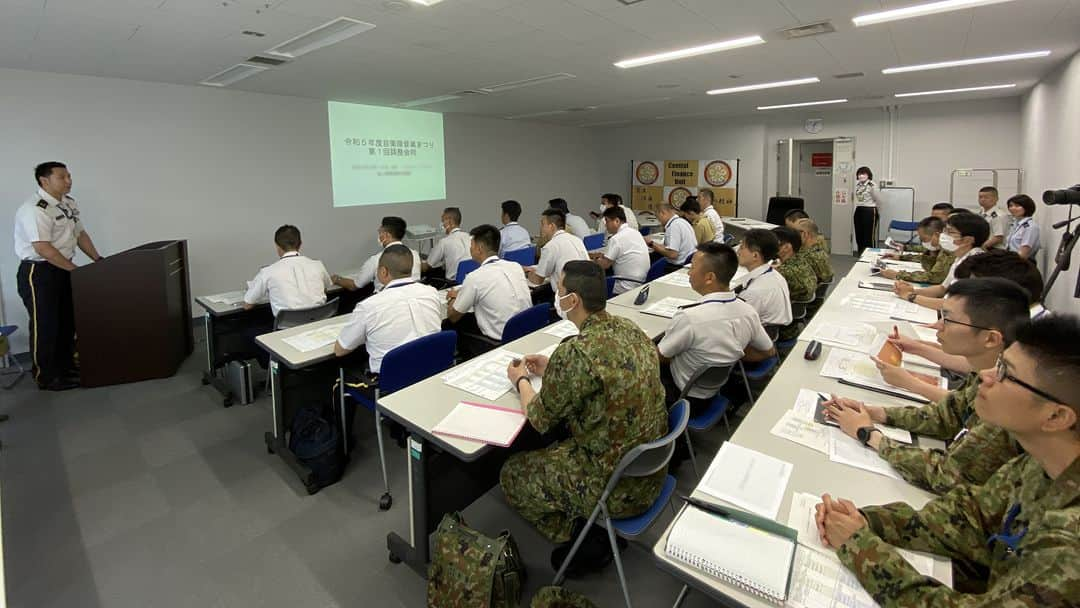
<point x="316" y="442"/>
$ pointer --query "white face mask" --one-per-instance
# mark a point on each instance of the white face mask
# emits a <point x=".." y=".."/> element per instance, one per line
<point x="558" y="306"/>
<point x="947" y="242"/>
<point x="862" y="179"/>
<point x="927" y="245"/>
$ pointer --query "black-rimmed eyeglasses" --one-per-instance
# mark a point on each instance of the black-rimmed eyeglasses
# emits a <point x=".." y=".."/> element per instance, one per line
<point x="1003" y="374"/>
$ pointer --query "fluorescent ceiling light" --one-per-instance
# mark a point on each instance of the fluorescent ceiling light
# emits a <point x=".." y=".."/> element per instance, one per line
<point x="964" y="90"/>
<point x="764" y="85"/>
<point x="803" y="104"/>
<point x="326" y="34"/>
<point x="425" y="2"/>
<point x="693" y="51"/>
<point x="228" y="76"/>
<point x="920" y="10"/>
<point x="427" y="101"/>
<point x="962" y="62"/>
<point x="528" y="82"/>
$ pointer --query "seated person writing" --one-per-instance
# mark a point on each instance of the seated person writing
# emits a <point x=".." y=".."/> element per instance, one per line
<point x="604" y="386"/>
<point x="962" y="236"/>
<point x="715" y="332"/>
<point x="626" y="254"/>
<point x="1017" y="532"/>
<point x="496" y="291"/>
<point x="452" y="249"/>
<point x="979" y="319"/>
<point x="691" y="211"/>
<point x="391" y="231"/>
<point x="293" y="282"/>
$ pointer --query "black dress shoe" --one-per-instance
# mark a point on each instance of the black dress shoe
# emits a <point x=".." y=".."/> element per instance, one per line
<point x="60" y="384"/>
<point x="593" y="555"/>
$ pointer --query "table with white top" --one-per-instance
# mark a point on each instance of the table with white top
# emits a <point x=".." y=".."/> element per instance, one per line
<point x="813" y="472"/>
<point x="737" y="226"/>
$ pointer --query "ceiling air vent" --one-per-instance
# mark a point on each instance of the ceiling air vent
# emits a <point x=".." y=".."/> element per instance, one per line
<point x="528" y="82"/>
<point x="810" y="29"/>
<point x="470" y="93"/>
<point x="236" y="73"/>
<point x="849" y="75"/>
<point x="326" y="34"/>
<point x="267" y="61"/>
<point x="629" y="2"/>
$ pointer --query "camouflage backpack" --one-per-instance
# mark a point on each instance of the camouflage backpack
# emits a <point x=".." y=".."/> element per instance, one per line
<point x="470" y="570"/>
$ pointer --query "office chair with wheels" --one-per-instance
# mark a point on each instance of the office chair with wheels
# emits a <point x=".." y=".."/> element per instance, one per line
<point x="401" y="367"/>
<point x="642" y="461"/>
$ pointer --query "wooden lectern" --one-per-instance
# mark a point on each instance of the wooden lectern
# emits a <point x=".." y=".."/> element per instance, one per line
<point x="133" y="314"/>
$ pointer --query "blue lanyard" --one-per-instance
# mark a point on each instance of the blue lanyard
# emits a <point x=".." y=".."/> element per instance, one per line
<point x="1012" y="541"/>
<point x="400" y="285"/>
<point x="742" y="288"/>
<point x="707" y="302"/>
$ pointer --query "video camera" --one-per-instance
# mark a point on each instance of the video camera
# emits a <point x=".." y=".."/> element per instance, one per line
<point x="1065" y="196"/>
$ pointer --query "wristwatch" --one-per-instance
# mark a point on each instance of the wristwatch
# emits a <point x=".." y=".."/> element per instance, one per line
<point x="863" y="434"/>
<point x="517" y="385"/>
<point x="911" y="297"/>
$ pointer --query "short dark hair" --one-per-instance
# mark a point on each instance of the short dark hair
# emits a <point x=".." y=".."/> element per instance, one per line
<point x="394" y="226"/>
<point x="487" y="237"/>
<point x="795" y="214"/>
<point x="615" y="212"/>
<point x="454" y="213"/>
<point x="690" y="205"/>
<point x="993" y="302"/>
<point x="719" y="259"/>
<point x="560" y="204"/>
<point x="287" y="237"/>
<point x="942" y="207"/>
<point x="762" y="241"/>
<point x="931" y="224"/>
<point x="969" y="224"/>
<point x="555" y="216"/>
<point x="1022" y="200"/>
<point x="397" y="260"/>
<point x="512" y="209"/>
<point x="612" y="198"/>
<point x="866" y="170"/>
<point x="705" y="192"/>
<point x="46" y="169"/>
<point x="989" y="189"/>
<point x="786" y="234"/>
<point x="959" y="211"/>
<point x="586" y="279"/>
<point x="1006" y="265"/>
<point x="1054" y="342"/>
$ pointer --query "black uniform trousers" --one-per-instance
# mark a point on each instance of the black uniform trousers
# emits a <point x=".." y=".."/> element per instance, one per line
<point x="866" y="220"/>
<point x="46" y="292"/>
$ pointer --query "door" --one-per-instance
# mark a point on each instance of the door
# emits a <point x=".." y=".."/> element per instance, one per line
<point x="815" y="182"/>
<point x="843" y="184"/>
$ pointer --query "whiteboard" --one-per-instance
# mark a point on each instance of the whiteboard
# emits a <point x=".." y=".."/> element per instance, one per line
<point x="897" y="203"/>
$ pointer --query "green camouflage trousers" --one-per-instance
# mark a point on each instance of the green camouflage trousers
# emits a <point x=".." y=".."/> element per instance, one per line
<point x="557" y="597"/>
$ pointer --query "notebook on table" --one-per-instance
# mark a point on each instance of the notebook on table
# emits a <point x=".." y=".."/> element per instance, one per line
<point x="743" y="550"/>
<point x="482" y="422"/>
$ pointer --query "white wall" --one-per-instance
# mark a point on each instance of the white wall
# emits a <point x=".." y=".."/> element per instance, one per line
<point x="931" y="140"/>
<point x="223" y="169"/>
<point x="1051" y="153"/>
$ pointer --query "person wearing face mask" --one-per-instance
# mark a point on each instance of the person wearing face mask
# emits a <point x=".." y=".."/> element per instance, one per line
<point x="603" y="386"/>
<point x="935" y="262"/>
<point x="391" y="231"/>
<point x="607" y="201"/>
<point x="963" y="232"/>
<point x="979" y="319"/>
<point x="452" y="249"/>
<point x="866" y="213"/>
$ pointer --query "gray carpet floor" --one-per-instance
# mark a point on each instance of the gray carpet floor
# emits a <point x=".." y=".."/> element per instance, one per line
<point x="153" y="495"/>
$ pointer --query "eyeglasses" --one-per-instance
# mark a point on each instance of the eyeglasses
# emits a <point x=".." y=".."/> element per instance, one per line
<point x="946" y="319"/>
<point x="1003" y="374"/>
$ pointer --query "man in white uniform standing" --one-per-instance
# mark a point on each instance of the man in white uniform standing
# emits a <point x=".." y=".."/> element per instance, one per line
<point x="47" y="230"/>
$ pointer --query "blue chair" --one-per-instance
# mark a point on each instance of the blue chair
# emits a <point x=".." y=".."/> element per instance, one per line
<point x="593" y="241"/>
<point x="715" y="376"/>
<point x="729" y="238"/>
<point x="799" y="311"/>
<point x="642" y="461"/>
<point x="11" y="364"/>
<point x="757" y="371"/>
<point x="526" y="256"/>
<point x="902" y="226"/>
<point x="657" y="270"/>
<point x="526" y="322"/>
<point x="464" y="267"/>
<point x="403" y="366"/>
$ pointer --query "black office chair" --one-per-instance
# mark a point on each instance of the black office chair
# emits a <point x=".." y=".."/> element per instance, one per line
<point x="780" y="205"/>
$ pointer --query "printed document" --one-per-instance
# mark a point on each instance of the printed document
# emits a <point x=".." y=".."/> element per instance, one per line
<point x="747" y="479"/>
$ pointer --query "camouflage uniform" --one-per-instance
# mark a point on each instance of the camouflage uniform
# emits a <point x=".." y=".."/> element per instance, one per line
<point x="605" y="386"/>
<point x="1042" y="570"/>
<point x="818" y="258"/>
<point x="557" y="597"/>
<point x="935" y="265"/>
<point x="802" y="283"/>
<point x="976" y="450"/>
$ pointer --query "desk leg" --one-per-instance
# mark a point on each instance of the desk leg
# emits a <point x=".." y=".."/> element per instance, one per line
<point x="275" y="440"/>
<point x="211" y="375"/>
<point x="414" y="551"/>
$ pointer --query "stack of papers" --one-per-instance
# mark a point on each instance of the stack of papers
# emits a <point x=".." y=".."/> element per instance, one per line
<point x="747" y="479"/>
<point x="229" y="298"/>
<point x="891" y="307"/>
<point x="858" y="336"/>
<point x="317" y="338"/>
<point x="845" y="450"/>
<point x="485" y="375"/>
<point x="667" y="307"/>
<point x="679" y="279"/>
<point x="562" y="329"/>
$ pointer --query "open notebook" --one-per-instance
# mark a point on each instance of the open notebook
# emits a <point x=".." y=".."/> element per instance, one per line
<point x="753" y="559"/>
